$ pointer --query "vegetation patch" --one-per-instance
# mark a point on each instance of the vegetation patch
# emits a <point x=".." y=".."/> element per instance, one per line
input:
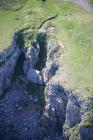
<point x="87" y="119"/>
<point x="91" y="2"/>
<point x="72" y="132"/>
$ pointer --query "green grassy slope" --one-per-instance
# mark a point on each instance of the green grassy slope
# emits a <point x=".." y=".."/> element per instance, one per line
<point x="74" y="27"/>
<point x="12" y="4"/>
<point x="91" y="2"/>
<point x="9" y="20"/>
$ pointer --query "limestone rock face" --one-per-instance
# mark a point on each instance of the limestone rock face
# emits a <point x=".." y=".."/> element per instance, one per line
<point x="7" y="66"/>
<point x="51" y="63"/>
<point x="52" y="48"/>
<point x="56" y="101"/>
<point x="49" y="71"/>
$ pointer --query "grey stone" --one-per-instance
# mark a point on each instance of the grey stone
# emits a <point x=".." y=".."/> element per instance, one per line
<point x="49" y="71"/>
<point x="34" y="76"/>
<point x="8" y="67"/>
<point x="56" y="101"/>
<point x="52" y="49"/>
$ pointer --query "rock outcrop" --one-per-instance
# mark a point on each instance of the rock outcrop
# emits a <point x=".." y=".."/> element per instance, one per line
<point x="51" y="62"/>
<point x="8" y="62"/>
<point x="37" y="105"/>
<point x="35" y="76"/>
<point x="32" y="55"/>
<point x="35" y="59"/>
<point x="56" y="102"/>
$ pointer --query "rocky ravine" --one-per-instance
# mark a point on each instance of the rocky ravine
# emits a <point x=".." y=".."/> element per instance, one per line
<point x="33" y="105"/>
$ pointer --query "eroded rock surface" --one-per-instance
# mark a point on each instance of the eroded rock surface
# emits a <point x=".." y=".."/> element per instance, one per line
<point x="7" y="66"/>
<point x="34" y="103"/>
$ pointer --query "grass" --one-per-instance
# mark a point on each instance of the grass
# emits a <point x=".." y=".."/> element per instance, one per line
<point x="91" y="2"/>
<point x="12" y="4"/>
<point x="8" y="24"/>
<point x="74" y="26"/>
<point x="76" y="31"/>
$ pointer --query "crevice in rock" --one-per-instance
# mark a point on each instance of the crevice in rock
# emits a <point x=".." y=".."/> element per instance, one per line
<point x="34" y="97"/>
<point x="19" y="66"/>
<point x="34" y="90"/>
<point x="42" y="41"/>
<point x="48" y="19"/>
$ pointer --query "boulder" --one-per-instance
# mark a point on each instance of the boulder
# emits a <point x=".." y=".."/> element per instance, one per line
<point x="35" y="76"/>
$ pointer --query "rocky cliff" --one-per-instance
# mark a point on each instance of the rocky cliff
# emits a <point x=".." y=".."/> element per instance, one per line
<point x="8" y="60"/>
<point x="34" y="104"/>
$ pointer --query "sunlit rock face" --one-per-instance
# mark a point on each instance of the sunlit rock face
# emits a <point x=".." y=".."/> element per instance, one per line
<point x="32" y="57"/>
<point x="49" y="71"/>
<point x="51" y="62"/>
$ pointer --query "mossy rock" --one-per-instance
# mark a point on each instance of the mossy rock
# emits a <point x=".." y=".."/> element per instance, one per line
<point x="71" y="133"/>
<point x="74" y="133"/>
<point x="87" y="119"/>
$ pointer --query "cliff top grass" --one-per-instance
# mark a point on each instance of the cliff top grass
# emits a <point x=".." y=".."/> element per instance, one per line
<point x="74" y="27"/>
<point x="91" y="2"/>
<point x="12" y="4"/>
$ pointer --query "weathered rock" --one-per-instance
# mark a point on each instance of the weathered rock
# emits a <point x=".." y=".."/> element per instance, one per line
<point x="56" y="101"/>
<point x="49" y="71"/>
<point x="51" y="62"/>
<point x="38" y="118"/>
<point x="35" y="76"/>
<point x="52" y="48"/>
<point x="7" y="68"/>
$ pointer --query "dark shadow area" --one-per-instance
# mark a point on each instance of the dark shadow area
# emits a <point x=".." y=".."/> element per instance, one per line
<point x="19" y="65"/>
<point x="43" y="1"/>
<point x="20" y="61"/>
<point x="38" y="92"/>
<point x="19" y="39"/>
<point x="42" y="41"/>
